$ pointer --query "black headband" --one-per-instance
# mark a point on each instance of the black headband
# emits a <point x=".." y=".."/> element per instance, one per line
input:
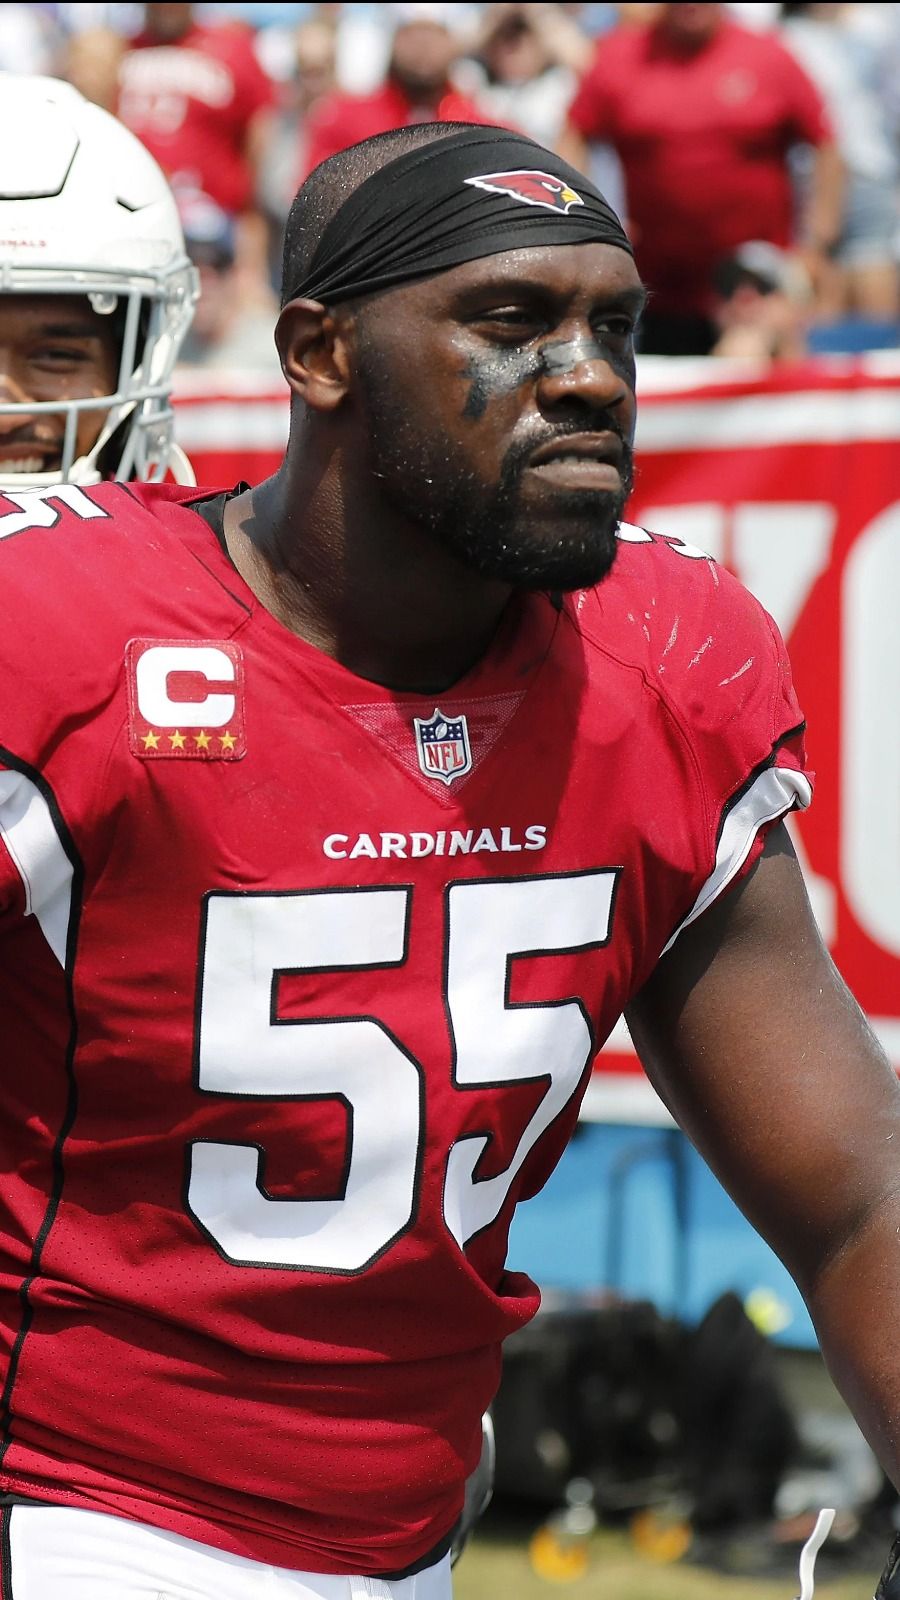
<point x="471" y="194"/>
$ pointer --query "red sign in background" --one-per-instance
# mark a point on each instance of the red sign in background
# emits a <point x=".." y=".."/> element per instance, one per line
<point x="792" y="478"/>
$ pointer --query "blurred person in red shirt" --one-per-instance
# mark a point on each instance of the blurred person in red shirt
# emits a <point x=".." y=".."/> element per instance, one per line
<point x="704" y="115"/>
<point x="418" y="88"/>
<point x="197" y="97"/>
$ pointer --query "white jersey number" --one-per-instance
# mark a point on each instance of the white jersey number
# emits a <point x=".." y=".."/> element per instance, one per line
<point x="488" y="925"/>
<point x="245" y="1049"/>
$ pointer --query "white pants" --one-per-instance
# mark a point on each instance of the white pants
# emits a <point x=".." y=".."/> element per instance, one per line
<point x="56" y="1553"/>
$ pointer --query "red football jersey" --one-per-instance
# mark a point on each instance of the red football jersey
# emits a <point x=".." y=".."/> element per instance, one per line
<point x="191" y="101"/>
<point x="301" y="985"/>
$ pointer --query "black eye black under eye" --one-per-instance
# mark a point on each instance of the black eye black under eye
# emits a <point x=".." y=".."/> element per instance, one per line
<point x="498" y="368"/>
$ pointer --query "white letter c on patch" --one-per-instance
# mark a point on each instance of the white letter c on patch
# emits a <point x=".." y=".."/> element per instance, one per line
<point x="152" y="672"/>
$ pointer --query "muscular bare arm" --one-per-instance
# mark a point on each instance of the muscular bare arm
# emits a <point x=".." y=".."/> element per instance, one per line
<point x="762" y="1055"/>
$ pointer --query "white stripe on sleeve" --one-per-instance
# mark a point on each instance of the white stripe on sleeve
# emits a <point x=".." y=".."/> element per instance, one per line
<point x="776" y="791"/>
<point x="32" y="840"/>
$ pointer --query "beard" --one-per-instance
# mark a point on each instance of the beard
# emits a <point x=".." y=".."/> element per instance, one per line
<point x="569" y="543"/>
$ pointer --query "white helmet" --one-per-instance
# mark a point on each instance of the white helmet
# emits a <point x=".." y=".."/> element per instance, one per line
<point x="85" y="210"/>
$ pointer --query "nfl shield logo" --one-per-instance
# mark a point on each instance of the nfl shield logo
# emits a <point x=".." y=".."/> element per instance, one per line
<point x="442" y="744"/>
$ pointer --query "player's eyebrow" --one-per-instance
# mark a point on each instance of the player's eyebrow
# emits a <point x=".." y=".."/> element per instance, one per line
<point x="631" y="298"/>
<point x="75" y="328"/>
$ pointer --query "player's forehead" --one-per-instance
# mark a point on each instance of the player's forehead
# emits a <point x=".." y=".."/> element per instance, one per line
<point x="579" y="272"/>
<point x="66" y="315"/>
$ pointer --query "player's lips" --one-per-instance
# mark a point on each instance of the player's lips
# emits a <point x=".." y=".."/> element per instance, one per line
<point x="19" y="457"/>
<point x="581" y="460"/>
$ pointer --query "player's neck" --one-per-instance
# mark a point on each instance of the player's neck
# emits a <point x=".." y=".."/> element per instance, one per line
<point x="363" y="587"/>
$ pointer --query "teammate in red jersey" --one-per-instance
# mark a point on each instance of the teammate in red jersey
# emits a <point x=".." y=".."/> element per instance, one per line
<point x="341" y="819"/>
<point x="96" y="294"/>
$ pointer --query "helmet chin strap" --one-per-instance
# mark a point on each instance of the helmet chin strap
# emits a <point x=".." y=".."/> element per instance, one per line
<point x="175" y="461"/>
<point x="810" y="1551"/>
<point x="180" y="467"/>
<point x="84" y="470"/>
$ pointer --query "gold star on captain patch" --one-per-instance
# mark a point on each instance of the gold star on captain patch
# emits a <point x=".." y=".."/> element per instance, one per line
<point x="227" y="740"/>
<point x="150" y="740"/>
<point x="176" y="740"/>
<point x="201" y="739"/>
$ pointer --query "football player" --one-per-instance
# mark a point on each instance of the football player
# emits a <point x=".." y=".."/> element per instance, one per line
<point x="340" y="819"/>
<point x="96" y="294"/>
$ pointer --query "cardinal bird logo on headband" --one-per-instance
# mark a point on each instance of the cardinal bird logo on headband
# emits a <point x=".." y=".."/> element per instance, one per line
<point x="532" y="188"/>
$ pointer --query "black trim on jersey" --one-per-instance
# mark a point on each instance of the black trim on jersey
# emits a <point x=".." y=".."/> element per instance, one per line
<point x="303" y="1022"/>
<point x="756" y="772"/>
<point x="6" y="1588"/>
<point x="435" y="1554"/>
<point x="212" y="509"/>
<point x="486" y="1134"/>
<point x="14" y="763"/>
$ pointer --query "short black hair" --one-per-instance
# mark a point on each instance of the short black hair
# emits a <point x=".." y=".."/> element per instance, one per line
<point x="333" y="181"/>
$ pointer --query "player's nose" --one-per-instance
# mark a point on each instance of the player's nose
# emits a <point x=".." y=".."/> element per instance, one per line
<point x="11" y="392"/>
<point x="578" y="368"/>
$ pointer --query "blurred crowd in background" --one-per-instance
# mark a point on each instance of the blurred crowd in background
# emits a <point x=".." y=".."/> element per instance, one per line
<point x="752" y="149"/>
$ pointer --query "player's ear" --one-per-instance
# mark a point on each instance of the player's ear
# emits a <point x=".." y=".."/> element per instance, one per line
<point x="314" y="354"/>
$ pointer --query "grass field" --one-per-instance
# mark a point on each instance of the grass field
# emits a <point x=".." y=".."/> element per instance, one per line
<point x="496" y="1566"/>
